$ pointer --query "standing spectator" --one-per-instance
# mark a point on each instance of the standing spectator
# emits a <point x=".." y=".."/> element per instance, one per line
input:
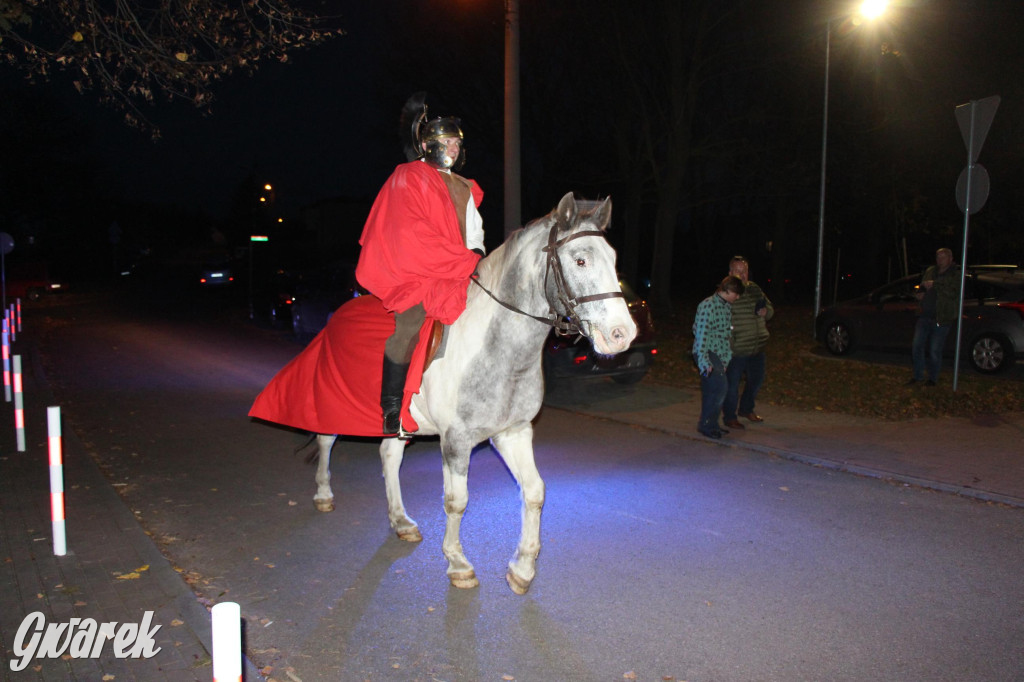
<point x="712" y="332"/>
<point x="750" y="312"/>
<point x="939" y="294"/>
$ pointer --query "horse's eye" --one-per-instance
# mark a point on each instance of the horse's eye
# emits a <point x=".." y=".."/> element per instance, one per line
<point x="581" y="262"/>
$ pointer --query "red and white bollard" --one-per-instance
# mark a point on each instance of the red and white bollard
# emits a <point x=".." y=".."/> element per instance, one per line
<point x="7" y="363"/>
<point x="19" y="406"/>
<point x="60" y="547"/>
<point x="11" y="325"/>
<point x="18" y="301"/>
<point x="227" y="642"/>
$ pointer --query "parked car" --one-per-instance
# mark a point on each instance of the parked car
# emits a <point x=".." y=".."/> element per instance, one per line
<point x="216" y="275"/>
<point x="993" y="318"/>
<point x="318" y="293"/>
<point x="273" y="297"/>
<point x="574" y="356"/>
<point x="30" y="281"/>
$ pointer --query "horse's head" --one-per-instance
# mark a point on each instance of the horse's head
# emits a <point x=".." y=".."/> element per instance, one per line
<point x="582" y="284"/>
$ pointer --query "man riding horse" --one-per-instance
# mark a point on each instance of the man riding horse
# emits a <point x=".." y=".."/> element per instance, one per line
<point x="421" y="243"/>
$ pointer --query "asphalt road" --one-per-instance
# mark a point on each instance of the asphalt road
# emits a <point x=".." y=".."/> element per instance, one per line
<point x="662" y="559"/>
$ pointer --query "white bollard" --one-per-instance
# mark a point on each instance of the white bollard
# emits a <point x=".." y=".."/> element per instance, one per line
<point x="227" y="642"/>
<point x="19" y="405"/>
<point x="7" y="363"/>
<point x="60" y="547"/>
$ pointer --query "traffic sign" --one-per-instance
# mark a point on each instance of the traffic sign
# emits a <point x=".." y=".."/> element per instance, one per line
<point x="977" y="177"/>
<point x="974" y="119"/>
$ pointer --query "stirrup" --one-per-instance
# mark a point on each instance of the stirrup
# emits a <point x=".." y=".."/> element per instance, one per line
<point x="399" y="433"/>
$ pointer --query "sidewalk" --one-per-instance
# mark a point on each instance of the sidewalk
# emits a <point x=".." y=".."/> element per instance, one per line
<point x="112" y="571"/>
<point x="981" y="458"/>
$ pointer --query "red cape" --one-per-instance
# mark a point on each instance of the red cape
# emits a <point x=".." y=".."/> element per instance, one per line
<point x="413" y="249"/>
<point x="333" y="386"/>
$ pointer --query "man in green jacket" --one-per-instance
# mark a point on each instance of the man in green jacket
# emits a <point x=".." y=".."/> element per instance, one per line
<point x="939" y="294"/>
<point x="750" y="312"/>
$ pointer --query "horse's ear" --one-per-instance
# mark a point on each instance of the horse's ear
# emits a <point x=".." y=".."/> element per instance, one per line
<point x="565" y="214"/>
<point x="603" y="214"/>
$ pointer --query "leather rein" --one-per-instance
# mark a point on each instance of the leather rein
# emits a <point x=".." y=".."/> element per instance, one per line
<point x="570" y="323"/>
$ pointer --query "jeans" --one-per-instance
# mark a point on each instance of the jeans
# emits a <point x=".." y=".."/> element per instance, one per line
<point x="929" y="340"/>
<point x="753" y="366"/>
<point x="712" y="394"/>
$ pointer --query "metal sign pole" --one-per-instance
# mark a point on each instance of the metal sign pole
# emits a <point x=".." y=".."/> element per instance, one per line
<point x="972" y="188"/>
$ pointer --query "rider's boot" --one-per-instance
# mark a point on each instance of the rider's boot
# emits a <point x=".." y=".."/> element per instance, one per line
<point x="392" y="387"/>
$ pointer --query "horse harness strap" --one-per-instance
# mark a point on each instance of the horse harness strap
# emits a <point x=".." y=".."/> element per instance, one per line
<point x="569" y="323"/>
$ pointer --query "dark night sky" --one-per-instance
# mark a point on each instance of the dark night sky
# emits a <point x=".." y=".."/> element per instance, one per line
<point x="324" y="125"/>
<point x="311" y="127"/>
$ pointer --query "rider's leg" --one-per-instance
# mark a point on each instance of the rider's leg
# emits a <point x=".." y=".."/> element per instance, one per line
<point x="397" y="353"/>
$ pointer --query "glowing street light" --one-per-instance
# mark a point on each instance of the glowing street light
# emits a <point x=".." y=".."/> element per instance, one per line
<point x="869" y="9"/>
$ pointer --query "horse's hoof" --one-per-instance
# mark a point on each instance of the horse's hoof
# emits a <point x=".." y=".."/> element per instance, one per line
<point x="409" y="534"/>
<point x="324" y="505"/>
<point x="465" y="580"/>
<point x="517" y="584"/>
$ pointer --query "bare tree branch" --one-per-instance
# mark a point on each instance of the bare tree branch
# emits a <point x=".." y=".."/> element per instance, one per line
<point x="131" y="52"/>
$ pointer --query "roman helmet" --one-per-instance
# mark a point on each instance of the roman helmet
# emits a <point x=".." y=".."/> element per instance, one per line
<point x="436" y="152"/>
<point x="418" y="128"/>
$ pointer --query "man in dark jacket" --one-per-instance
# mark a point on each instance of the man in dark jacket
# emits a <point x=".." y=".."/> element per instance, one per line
<point x="939" y="293"/>
<point x="750" y="312"/>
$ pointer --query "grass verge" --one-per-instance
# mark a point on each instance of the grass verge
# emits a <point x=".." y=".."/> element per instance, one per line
<point x="801" y="375"/>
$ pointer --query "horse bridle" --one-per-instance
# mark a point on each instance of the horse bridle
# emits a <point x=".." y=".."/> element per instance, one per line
<point x="567" y="324"/>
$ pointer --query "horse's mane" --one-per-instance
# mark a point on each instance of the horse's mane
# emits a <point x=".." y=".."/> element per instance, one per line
<point x="585" y="207"/>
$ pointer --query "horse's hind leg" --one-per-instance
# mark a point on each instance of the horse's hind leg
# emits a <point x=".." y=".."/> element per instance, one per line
<point x="324" y="498"/>
<point x="516" y="448"/>
<point x="391" y="452"/>
<point x="455" y="468"/>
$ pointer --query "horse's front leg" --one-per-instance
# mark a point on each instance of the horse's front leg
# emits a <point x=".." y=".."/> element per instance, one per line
<point x="455" y="468"/>
<point x="391" y="452"/>
<point x="324" y="498"/>
<point x="516" y="447"/>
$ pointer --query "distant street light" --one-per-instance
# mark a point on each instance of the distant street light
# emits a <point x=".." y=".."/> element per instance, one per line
<point x="869" y="9"/>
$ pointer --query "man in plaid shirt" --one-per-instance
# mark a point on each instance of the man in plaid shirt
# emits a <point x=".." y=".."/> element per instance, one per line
<point x="712" y="350"/>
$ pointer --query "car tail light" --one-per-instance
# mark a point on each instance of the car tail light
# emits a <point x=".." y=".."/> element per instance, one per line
<point x="1019" y="307"/>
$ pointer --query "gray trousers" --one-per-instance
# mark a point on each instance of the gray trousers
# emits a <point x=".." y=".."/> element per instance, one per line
<point x="400" y="345"/>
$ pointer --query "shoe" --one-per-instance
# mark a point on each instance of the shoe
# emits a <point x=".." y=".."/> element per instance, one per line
<point x="734" y="424"/>
<point x="392" y="421"/>
<point x="929" y="383"/>
<point x="723" y="431"/>
<point x="710" y="433"/>
<point x="911" y="382"/>
<point x="752" y="417"/>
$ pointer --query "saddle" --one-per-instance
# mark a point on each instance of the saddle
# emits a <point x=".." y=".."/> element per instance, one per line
<point x="434" y="343"/>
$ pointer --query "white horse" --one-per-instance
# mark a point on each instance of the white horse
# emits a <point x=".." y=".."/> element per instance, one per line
<point x="557" y="271"/>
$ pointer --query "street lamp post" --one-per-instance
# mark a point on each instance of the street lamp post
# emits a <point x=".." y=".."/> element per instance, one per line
<point x="824" y="161"/>
<point x="870" y="9"/>
<point x="513" y="188"/>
